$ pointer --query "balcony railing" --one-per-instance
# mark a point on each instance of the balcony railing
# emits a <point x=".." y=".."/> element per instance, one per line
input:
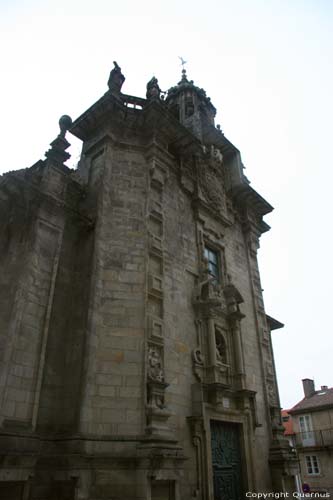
<point x="322" y="437"/>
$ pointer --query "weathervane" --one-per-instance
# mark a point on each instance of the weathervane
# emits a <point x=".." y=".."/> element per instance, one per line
<point x="182" y="62"/>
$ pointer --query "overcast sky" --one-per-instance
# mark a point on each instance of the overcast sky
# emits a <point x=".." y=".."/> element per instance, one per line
<point x="267" y="66"/>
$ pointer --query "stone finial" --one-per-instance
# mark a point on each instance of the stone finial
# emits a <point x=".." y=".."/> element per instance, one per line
<point x="65" y="123"/>
<point x="183" y="62"/>
<point x="116" y="78"/>
<point x="184" y="75"/>
<point x="153" y="89"/>
<point x="57" y="153"/>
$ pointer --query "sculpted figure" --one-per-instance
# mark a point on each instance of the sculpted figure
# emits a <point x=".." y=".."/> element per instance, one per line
<point x="153" y="89"/>
<point x="207" y="288"/>
<point x="155" y="369"/>
<point x="116" y="78"/>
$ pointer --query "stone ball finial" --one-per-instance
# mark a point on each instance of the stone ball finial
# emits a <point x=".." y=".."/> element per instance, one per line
<point x="65" y="124"/>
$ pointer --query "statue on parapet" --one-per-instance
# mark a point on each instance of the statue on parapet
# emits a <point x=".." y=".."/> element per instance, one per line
<point x="116" y="78"/>
<point x="153" y="89"/>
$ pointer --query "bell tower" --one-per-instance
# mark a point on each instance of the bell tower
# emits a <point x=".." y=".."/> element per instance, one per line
<point x="191" y="106"/>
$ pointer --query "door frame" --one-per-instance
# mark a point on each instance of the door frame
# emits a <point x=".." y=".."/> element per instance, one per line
<point x="245" y="450"/>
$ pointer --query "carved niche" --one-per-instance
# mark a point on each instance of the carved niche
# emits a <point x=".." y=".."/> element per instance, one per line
<point x="155" y="364"/>
<point x="221" y="348"/>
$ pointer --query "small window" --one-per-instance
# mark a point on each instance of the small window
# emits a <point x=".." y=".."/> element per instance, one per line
<point x="285" y="419"/>
<point x="312" y="465"/>
<point x="213" y="263"/>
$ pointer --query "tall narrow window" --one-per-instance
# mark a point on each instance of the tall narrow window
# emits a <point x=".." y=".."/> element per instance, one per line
<point x="213" y="263"/>
<point x="312" y="465"/>
<point x="307" y="434"/>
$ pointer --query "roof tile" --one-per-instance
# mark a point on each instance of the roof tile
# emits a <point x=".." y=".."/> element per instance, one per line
<point x="323" y="397"/>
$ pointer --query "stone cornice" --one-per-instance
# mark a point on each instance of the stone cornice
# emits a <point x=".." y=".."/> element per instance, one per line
<point x="247" y="197"/>
<point x="273" y="324"/>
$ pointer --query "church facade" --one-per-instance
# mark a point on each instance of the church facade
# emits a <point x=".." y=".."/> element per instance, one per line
<point x="136" y="357"/>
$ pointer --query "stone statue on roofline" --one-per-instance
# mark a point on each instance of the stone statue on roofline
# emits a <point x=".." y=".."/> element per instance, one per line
<point x="116" y="78"/>
<point x="153" y="89"/>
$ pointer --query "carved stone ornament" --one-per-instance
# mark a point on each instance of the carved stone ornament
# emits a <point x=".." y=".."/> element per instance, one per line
<point x="221" y="348"/>
<point x="207" y="291"/>
<point x="156" y="401"/>
<point x="58" y="153"/>
<point x="211" y="177"/>
<point x="198" y="363"/>
<point x="253" y="243"/>
<point x="155" y="365"/>
<point x="153" y="89"/>
<point x="233" y="299"/>
<point x="269" y="369"/>
<point x="116" y="78"/>
<point x="65" y="123"/>
<point x="271" y="392"/>
<point x="198" y="357"/>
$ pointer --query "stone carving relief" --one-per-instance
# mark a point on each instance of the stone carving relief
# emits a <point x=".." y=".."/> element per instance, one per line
<point x="156" y="401"/>
<point x="198" y="363"/>
<point x="211" y="178"/>
<point x="155" y="364"/>
<point x="233" y="299"/>
<point x="221" y="348"/>
<point x="207" y="290"/>
<point x="198" y="357"/>
<point x="253" y="244"/>
<point x="269" y="369"/>
<point x="271" y="392"/>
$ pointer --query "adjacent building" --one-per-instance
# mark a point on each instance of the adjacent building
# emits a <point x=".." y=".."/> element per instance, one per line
<point x="312" y="425"/>
<point x="136" y="355"/>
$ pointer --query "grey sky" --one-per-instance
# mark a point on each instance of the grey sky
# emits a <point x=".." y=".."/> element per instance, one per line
<point x="267" y="66"/>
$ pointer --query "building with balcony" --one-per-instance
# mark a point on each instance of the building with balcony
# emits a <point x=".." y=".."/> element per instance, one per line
<point x="312" y="434"/>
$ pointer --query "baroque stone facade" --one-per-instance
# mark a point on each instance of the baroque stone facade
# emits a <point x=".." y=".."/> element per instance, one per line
<point x="136" y="358"/>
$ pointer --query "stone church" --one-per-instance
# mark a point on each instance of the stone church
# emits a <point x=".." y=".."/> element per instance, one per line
<point x="136" y="354"/>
